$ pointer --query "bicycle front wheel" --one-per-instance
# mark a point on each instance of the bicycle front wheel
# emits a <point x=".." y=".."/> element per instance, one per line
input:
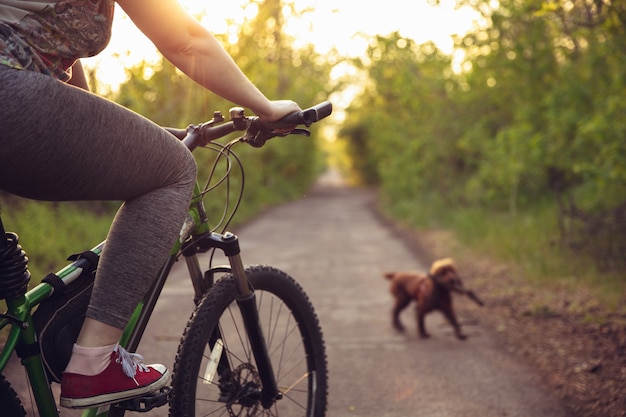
<point x="214" y="371"/>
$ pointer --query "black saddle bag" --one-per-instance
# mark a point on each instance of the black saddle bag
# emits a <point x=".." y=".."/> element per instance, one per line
<point x="58" y="321"/>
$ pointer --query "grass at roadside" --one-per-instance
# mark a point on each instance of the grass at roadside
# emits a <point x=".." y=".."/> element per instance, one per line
<point x="529" y="241"/>
<point x="50" y="232"/>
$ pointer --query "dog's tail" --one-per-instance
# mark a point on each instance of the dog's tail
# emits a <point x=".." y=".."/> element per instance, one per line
<point x="389" y="275"/>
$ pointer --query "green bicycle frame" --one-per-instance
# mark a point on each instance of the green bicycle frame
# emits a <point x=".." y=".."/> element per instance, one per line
<point x="22" y="336"/>
<point x="195" y="237"/>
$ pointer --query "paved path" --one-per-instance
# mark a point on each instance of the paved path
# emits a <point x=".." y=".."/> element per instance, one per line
<point x="331" y="241"/>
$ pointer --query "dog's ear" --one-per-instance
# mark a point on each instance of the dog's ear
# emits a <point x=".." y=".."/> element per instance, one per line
<point x="389" y="275"/>
<point x="442" y="266"/>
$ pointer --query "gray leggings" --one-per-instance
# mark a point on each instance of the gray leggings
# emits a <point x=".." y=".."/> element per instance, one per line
<point x="60" y="143"/>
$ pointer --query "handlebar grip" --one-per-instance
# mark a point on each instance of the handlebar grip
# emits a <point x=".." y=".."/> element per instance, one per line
<point x="310" y="115"/>
<point x="304" y="117"/>
<point x="315" y="113"/>
<point x="322" y="110"/>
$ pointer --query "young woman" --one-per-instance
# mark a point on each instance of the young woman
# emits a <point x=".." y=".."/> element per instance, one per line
<point x="59" y="142"/>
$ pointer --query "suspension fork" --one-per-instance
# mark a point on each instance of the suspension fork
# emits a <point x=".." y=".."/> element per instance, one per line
<point x="246" y="300"/>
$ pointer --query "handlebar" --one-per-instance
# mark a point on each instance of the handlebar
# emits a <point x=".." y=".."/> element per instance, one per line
<point x="257" y="132"/>
<point x="304" y="117"/>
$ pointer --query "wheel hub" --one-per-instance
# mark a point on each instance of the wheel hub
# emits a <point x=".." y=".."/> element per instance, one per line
<point x="241" y="391"/>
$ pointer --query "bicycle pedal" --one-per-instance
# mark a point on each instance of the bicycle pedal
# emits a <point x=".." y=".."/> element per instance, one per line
<point x="146" y="402"/>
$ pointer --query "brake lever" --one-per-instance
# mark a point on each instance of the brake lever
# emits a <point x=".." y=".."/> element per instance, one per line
<point x="301" y="132"/>
<point x="258" y="138"/>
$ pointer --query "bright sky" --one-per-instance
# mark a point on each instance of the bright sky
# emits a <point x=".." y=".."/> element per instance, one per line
<point x="335" y="23"/>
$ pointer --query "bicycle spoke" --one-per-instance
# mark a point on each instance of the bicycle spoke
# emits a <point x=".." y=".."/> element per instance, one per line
<point x="293" y="341"/>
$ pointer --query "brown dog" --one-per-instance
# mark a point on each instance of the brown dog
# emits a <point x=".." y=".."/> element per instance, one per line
<point x="430" y="292"/>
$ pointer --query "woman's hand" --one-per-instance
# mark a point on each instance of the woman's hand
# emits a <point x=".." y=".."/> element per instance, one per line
<point x="278" y="109"/>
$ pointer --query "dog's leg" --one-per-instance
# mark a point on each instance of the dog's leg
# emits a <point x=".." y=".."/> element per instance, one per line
<point x="451" y="317"/>
<point x="401" y="304"/>
<point x="421" y="327"/>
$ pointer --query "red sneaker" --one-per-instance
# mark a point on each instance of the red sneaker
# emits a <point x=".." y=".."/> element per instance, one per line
<point x="125" y="377"/>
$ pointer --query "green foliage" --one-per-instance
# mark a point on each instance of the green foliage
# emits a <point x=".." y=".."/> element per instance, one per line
<point x="50" y="232"/>
<point x="394" y="119"/>
<point x="529" y="240"/>
<point x="283" y="169"/>
<point x="536" y="114"/>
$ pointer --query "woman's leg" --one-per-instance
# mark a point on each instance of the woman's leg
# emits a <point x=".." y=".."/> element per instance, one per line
<point x="61" y="143"/>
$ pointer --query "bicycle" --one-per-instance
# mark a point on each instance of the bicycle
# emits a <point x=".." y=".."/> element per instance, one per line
<point x="268" y="360"/>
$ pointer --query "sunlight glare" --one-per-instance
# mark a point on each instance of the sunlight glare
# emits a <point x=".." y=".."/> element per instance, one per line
<point x="341" y="25"/>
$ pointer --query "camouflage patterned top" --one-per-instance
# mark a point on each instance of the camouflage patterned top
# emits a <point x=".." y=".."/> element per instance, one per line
<point x="48" y="36"/>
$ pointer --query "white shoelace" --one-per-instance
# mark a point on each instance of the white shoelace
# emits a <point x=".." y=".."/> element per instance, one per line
<point x="131" y="362"/>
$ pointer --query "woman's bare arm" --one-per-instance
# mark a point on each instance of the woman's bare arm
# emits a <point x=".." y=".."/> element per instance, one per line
<point x="194" y="50"/>
<point x="78" y="76"/>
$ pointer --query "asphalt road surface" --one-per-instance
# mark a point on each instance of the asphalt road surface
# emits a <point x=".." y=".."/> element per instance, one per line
<point x="333" y="244"/>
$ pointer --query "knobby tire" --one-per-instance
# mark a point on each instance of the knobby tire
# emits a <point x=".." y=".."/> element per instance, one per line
<point x="294" y="341"/>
